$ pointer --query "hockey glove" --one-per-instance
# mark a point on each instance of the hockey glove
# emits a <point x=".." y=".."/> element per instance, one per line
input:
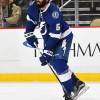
<point x="31" y="39"/>
<point x="46" y="57"/>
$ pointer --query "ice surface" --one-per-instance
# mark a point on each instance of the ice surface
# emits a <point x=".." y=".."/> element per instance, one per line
<point x="42" y="91"/>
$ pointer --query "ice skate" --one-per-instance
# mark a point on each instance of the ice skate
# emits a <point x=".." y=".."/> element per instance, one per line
<point x="79" y="89"/>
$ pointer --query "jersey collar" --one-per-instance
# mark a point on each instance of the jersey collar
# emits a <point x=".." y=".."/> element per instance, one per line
<point x="46" y="8"/>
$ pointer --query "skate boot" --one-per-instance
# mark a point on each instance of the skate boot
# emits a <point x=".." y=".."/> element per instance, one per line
<point x="79" y="88"/>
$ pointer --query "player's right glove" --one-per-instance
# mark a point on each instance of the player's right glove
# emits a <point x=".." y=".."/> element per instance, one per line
<point x="31" y="39"/>
<point x="46" y="57"/>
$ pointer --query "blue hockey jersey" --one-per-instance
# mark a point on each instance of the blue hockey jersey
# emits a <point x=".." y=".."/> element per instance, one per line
<point x="50" y="20"/>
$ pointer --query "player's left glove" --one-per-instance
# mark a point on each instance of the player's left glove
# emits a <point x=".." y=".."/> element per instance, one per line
<point x="46" y="57"/>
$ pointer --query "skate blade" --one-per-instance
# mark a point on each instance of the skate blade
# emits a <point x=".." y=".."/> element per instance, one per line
<point x="81" y="92"/>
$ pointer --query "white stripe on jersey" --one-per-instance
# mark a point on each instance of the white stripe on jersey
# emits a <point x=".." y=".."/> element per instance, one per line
<point x="29" y="19"/>
<point x="58" y="36"/>
<point x="66" y="33"/>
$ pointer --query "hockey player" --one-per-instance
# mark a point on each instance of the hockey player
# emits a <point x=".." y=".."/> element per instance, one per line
<point x="57" y="38"/>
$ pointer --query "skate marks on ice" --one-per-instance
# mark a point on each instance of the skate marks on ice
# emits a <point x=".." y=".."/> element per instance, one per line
<point x="43" y="91"/>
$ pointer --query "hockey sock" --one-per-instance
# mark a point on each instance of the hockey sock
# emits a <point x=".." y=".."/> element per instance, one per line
<point x="68" y="84"/>
<point x="64" y="74"/>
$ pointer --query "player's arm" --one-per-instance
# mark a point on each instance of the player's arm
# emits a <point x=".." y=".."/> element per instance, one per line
<point x="56" y="29"/>
<point x="30" y="26"/>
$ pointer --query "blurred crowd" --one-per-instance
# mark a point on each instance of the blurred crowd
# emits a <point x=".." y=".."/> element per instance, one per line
<point x="13" y="12"/>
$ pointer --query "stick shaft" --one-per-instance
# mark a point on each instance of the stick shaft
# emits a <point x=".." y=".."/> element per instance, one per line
<point x="65" y="4"/>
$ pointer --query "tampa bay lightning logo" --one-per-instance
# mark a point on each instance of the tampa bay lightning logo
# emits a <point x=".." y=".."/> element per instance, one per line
<point x="43" y="28"/>
<point x="55" y="15"/>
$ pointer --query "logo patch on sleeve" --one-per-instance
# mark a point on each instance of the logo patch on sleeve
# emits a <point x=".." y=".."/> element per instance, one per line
<point x="55" y="14"/>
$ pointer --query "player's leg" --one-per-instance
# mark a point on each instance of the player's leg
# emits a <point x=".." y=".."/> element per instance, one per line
<point x="59" y="63"/>
<point x="64" y="75"/>
<point x="79" y="86"/>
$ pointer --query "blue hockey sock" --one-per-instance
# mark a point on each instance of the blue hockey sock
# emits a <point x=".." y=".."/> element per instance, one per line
<point x="64" y="74"/>
<point x="67" y="81"/>
<point x="68" y="85"/>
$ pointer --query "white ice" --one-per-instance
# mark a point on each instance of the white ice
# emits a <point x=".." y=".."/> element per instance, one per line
<point x="42" y="91"/>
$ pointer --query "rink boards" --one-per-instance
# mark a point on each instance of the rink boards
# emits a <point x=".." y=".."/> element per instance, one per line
<point x="18" y="61"/>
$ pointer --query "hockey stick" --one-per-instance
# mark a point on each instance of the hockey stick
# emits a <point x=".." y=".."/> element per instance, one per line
<point x="64" y="4"/>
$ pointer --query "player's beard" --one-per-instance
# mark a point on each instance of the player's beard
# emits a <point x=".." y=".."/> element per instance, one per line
<point x="41" y="4"/>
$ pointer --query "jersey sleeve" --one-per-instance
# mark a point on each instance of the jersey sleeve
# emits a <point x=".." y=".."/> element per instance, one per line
<point x="54" y="28"/>
<point x="31" y="21"/>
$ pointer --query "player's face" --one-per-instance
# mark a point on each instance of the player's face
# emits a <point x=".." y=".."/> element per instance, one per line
<point x="41" y="3"/>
